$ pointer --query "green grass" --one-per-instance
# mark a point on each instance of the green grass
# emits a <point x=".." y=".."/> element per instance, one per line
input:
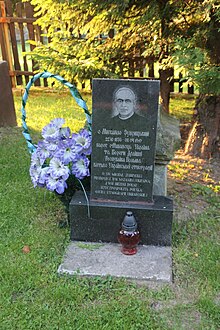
<point x="182" y="106"/>
<point x="42" y="106"/>
<point x="33" y="296"/>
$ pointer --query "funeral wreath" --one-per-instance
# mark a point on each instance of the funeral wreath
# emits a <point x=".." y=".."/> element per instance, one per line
<point x="60" y="155"/>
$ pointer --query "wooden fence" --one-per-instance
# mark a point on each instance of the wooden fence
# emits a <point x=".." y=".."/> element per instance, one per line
<point x="16" y="27"/>
<point x="14" y="32"/>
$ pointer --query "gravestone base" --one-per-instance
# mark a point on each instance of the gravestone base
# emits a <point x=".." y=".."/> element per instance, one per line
<point x="101" y="221"/>
<point x="151" y="264"/>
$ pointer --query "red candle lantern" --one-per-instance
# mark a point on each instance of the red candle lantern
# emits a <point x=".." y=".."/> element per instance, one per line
<point x="129" y="236"/>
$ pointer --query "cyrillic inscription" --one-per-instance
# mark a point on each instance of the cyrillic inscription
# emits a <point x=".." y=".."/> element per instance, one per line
<point x="123" y="144"/>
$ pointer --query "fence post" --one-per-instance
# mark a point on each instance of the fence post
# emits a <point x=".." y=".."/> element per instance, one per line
<point x="6" y="41"/>
<point x="22" y="38"/>
<point x="190" y="89"/>
<point x="29" y="14"/>
<point x="14" y="48"/>
<point x="151" y="70"/>
<point x="7" y="109"/>
<point x="180" y="83"/>
<point x="172" y="80"/>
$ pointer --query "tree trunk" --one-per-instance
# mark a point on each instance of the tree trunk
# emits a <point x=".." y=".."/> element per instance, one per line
<point x="204" y="138"/>
<point x="165" y="87"/>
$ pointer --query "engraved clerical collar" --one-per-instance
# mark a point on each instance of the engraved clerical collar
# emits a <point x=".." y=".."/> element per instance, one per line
<point x="126" y="117"/>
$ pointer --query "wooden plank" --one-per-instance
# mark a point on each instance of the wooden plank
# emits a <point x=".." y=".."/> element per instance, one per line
<point x="180" y="83"/>
<point x="151" y="70"/>
<point x="17" y="65"/>
<point x="190" y="89"/>
<point x="39" y="34"/>
<point x="9" y="19"/>
<point x="29" y="13"/>
<point x="172" y="80"/>
<point x="6" y="41"/>
<point x="23" y="73"/>
<point x="23" y="46"/>
<point x="38" y="37"/>
<point x="2" y="43"/>
<point x="131" y="71"/>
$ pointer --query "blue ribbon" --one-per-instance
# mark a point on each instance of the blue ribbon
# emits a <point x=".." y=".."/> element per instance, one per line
<point x="74" y="92"/>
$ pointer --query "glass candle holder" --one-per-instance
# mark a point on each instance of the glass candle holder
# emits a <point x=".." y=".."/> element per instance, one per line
<point x="129" y="235"/>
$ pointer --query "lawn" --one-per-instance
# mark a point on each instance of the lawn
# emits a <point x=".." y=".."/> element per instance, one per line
<point x="33" y="242"/>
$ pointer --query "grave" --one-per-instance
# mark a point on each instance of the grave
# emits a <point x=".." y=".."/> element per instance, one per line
<point x="7" y="109"/>
<point x="122" y="168"/>
<point x="128" y="165"/>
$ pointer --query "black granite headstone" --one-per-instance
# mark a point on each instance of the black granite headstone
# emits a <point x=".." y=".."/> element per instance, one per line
<point x="124" y="129"/>
<point x="125" y="116"/>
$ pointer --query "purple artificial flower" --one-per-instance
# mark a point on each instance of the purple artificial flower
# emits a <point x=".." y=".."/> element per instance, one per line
<point x="35" y="173"/>
<point x="51" y="183"/>
<point x="57" y="184"/>
<point x="66" y="151"/>
<point x="38" y="174"/>
<point x="42" y="151"/>
<point x="80" y="167"/>
<point x="35" y="159"/>
<point x="58" y="122"/>
<point x="51" y="145"/>
<point x="43" y="175"/>
<point x="65" y="132"/>
<point x="57" y="169"/>
<point x="51" y="132"/>
<point x="57" y="153"/>
<point x="35" y="168"/>
<point x="61" y="186"/>
<point x="83" y="142"/>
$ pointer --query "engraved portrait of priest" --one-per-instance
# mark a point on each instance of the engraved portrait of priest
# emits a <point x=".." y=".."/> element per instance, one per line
<point x="125" y="110"/>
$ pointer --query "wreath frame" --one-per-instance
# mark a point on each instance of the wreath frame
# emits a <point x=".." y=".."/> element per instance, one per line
<point x="74" y="92"/>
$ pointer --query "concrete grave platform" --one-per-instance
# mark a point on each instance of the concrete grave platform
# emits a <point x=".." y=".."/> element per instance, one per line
<point x="151" y="263"/>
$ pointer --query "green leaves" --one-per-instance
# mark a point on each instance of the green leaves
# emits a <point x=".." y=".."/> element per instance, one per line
<point x="80" y="47"/>
<point x="197" y="65"/>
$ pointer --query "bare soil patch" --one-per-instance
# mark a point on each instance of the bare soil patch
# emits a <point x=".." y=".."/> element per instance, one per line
<point x="190" y="180"/>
